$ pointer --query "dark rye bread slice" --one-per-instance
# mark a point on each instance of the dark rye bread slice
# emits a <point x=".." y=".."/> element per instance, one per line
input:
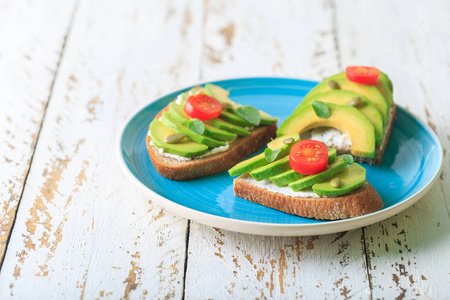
<point x="362" y="201"/>
<point x="239" y="149"/>
<point x="379" y="150"/>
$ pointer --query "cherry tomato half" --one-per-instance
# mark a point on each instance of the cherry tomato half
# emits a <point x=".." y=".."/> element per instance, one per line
<point x="202" y="107"/>
<point x="308" y="157"/>
<point x="364" y="75"/>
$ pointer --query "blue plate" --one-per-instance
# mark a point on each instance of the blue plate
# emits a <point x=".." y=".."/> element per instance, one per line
<point x="411" y="163"/>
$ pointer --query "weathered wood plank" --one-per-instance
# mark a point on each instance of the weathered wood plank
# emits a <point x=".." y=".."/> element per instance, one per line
<point x="82" y="230"/>
<point x="296" y="39"/>
<point x="410" y="40"/>
<point x="249" y="39"/>
<point x="223" y="264"/>
<point x="30" y="49"/>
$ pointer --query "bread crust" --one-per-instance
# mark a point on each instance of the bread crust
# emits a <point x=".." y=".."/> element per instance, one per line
<point x="362" y="201"/>
<point x="239" y="149"/>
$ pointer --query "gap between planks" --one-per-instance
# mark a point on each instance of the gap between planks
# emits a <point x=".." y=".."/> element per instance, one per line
<point x="61" y="54"/>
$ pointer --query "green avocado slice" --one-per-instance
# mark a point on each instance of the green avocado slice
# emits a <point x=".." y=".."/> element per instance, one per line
<point x="369" y="91"/>
<point x="271" y="169"/>
<point x="234" y="119"/>
<point x="332" y="154"/>
<point x="218" y="134"/>
<point x="185" y="148"/>
<point x="343" y="117"/>
<point x="179" y="115"/>
<point x="224" y="125"/>
<point x="260" y="159"/>
<point x="351" y="178"/>
<point x="286" y="177"/>
<point x="384" y="85"/>
<point x="219" y="94"/>
<point x="289" y="176"/>
<point x="310" y="180"/>
<point x="222" y="96"/>
<point x="342" y="97"/>
<point x="266" y="119"/>
<point x="173" y="125"/>
<point x="190" y="92"/>
<point x="383" y="77"/>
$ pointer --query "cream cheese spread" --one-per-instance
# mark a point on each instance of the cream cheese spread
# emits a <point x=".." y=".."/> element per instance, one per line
<point x="285" y="190"/>
<point x="178" y="100"/>
<point x="331" y="137"/>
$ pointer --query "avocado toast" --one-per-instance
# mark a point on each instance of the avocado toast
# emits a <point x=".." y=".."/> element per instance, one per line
<point x="337" y="190"/>
<point x="203" y="132"/>
<point x="361" y="114"/>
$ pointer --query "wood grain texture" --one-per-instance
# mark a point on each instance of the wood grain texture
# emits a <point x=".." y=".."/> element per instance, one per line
<point x="82" y="230"/>
<point x="409" y="40"/>
<point x="30" y="49"/>
<point x="295" y="39"/>
<point x="292" y="39"/>
<point x="224" y="264"/>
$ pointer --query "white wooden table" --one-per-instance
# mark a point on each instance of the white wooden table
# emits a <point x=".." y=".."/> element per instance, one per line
<point x="72" y="72"/>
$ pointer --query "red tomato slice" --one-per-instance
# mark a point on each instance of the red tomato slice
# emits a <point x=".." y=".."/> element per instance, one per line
<point x="308" y="157"/>
<point x="202" y="107"/>
<point x="364" y="75"/>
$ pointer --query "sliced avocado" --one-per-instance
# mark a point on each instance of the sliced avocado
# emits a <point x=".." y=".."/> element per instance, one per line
<point x="219" y="134"/>
<point x="179" y="115"/>
<point x="351" y="178"/>
<point x="272" y="169"/>
<point x="368" y="91"/>
<point x="221" y="124"/>
<point x="286" y="177"/>
<point x="334" y="168"/>
<point x="343" y="117"/>
<point x="343" y="97"/>
<point x="194" y="90"/>
<point x="384" y="89"/>
<point x="289" y="176"/>
<point x="234" y="119"/>
<point x="222" y="96"/>
<point x="332" y="154"/>
<point x="173" y="125"/>
<point x="383" y="77"/>
<point x="219" y="94"/>
<point x="186" y="147"/>
<point x="248" y="165"/>
<point x="190" y="92"/>
<point x="260" y="160"/>
<point x="279" y="142"/>
<point x="267" y="119"/>
<point x="382" y="86"/>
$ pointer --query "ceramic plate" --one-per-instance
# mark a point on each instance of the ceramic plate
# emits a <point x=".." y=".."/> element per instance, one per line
<point x="411" y="163"/>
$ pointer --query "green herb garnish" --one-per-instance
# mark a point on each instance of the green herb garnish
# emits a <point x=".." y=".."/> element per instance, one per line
<point x="196" y="126"/>
<point x="348" y="158"/>
<point x="321" y="109"/>
<point x="250" y="114"/>
<point x="271" y="155"/>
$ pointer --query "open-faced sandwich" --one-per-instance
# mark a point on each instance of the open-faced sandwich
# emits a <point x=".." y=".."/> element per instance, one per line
<point x="203" y="132"/>
<point x="304" y="178"/>
<point x="352" y="111"/>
